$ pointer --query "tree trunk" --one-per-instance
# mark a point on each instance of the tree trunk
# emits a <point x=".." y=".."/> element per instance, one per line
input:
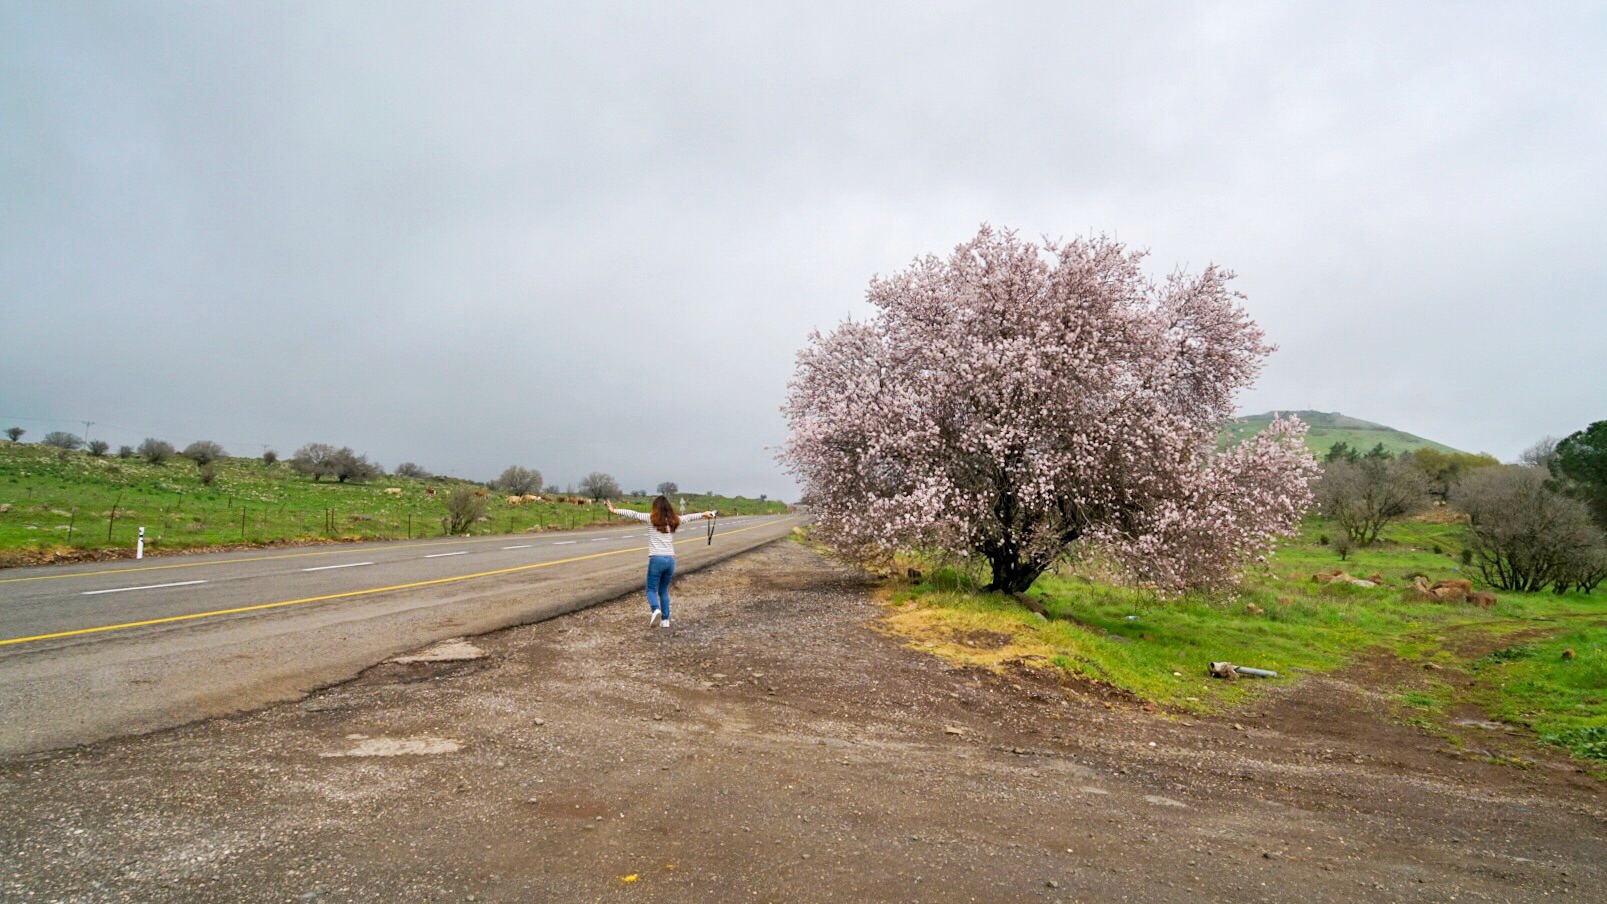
<point x="1011" y="575"/>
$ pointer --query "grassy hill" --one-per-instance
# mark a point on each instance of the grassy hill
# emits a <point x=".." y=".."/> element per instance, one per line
<point x="1329" y="428"/>
<point x="70" y="503"/>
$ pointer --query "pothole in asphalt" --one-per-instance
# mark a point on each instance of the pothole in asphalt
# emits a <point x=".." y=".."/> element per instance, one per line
<point x="455" y="650"/>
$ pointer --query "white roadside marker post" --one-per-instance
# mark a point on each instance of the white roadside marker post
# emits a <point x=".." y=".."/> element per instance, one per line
<point x="139" y="545"/>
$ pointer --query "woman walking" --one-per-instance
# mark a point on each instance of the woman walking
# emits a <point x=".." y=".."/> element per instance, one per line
<point x="660" y="554"/>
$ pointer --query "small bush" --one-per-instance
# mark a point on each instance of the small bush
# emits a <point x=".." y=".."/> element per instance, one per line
<point x="269" y="456"/>
<point x="203" y="451"/>
<point x="98" y="447"/>
<point x="155" y="451"/>
<point x="463" y="507"/>
<point x="1467" y="557"/>
<point x="62" y="440"/>
<point x="208" y="473"/>
<point x="1322" y="540"/>
<point x="125" y="451"/>
<point x="1344" y="546"/>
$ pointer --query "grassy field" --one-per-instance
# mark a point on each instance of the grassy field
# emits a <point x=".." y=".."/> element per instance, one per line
<point x="1329" y="428"/>
<point x="75" y="502"/>
<point x="1509" y="659"/>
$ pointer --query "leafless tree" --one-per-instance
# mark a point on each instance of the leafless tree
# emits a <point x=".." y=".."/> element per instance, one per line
<point x="1365" y="495"/>
<point x="463" y="507"/>
<point x="1523" y="534"/>
<point x="517" y="481"/>
<point x="600" y="486"/>
<point x="125" y="451"/>
<point x="15" y="433"/>
<point x="98" y="447"/>
<point x="1541" y="454"/>
<point x="348" y="465"/>
<point x="155" y="450"/>
<point x="61" y="439"/>
<point x="409" y="469"/>
<point x="203" y="451"/>
<point x="316" y="459"/>
<point x="668" y="488"/>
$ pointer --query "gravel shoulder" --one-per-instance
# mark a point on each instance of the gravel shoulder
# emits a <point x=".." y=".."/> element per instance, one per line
<point x="776" y="746"/>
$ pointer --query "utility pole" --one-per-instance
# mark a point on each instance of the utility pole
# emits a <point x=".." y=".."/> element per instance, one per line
<point x="87" y="425"/>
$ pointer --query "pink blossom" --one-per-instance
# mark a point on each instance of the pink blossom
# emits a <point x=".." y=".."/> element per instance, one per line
<point x="1017" y="401"/>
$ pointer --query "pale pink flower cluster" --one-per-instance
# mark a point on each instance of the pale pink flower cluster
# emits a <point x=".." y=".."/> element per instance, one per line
<point x="1017" y="400"/>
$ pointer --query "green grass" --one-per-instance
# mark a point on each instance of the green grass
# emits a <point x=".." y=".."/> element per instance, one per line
<point x="68" y="502"/>
<point x="1158" y="649"/>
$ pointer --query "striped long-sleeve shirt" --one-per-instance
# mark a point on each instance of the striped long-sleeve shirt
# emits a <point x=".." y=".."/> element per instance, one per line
<point x="661" y="543"/>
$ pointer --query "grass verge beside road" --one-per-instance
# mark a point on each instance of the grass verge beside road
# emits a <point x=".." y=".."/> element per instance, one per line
<point x="64" y="504"/>
<point x="1507" y="662"/>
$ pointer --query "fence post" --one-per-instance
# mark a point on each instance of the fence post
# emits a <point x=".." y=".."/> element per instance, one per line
<point x="139" y="545"/>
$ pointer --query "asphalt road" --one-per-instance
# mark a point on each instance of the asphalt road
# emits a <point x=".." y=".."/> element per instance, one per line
<point x="93" y="651"/>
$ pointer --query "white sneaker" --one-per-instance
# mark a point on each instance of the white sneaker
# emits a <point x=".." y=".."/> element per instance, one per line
<point x="664" y="624"/>
<point x="653" y="619"/>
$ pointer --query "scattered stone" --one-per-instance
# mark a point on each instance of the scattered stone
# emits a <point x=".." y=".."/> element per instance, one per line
<point x="954" y="730"/>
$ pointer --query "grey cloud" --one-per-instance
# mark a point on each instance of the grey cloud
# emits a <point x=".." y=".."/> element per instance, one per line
<point x="592" y="236"/>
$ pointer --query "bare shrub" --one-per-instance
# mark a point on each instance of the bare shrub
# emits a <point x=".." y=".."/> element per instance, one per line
<point x="155" y="450"/>
<point x="600" y="486"/>
<point x="463" y="507"/>
<point x="668" y="488"/>
<point x="517" y="481"/>
<point x="203" y="451"/>
<point x="1367" y="494"/>
<point x="269" y="456"/>
<point x="125" y="451"/>
<point x="208" y="473"/>
<point x="1344" y="545"/>
<point x="348" y="465"/>
<point x="61" y="439"/>
<point x="409" y="469"/>
<point x="15" y="433"/>
<point x="314" y="459"/>
<point x="98" y="447"/>
<point x="1523" y="534"/>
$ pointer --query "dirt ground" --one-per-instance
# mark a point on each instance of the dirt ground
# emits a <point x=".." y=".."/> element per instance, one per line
<point x="774" y="747"/>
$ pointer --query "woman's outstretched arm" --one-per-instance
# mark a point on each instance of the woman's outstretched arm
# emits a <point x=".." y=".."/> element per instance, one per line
<point x="639" y="516"/>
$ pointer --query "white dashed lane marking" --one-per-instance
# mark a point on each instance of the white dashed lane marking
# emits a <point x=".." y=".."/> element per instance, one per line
<point x="525" y="546"/>
<point x="143" y="587"/>
<point x="437" y="555"/>
<point x="328" y="567"/>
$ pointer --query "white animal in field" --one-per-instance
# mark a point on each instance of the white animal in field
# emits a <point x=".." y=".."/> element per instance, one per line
<point x="529" y="498"/>
<point x="393" y="491"/>
<point x="513" y="500"/>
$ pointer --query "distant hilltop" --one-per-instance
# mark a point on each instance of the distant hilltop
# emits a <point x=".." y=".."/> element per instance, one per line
<point x="1330" y="427"/>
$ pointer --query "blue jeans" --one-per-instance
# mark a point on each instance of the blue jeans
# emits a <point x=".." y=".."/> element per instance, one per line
<point x="660" y="569"/>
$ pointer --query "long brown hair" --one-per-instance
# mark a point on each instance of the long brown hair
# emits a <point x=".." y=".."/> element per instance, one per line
<point x="664" y="517"/>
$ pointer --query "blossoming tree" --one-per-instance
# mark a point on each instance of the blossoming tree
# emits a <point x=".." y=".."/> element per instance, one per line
<point x="1018" y="400"/>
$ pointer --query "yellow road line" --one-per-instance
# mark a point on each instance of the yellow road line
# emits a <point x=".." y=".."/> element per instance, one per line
<point x="335" y="596"/>
<point x="292" y="555"/>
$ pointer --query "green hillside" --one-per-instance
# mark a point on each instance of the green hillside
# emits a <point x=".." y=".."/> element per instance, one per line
<point x="1328" y="428"/>
<point x="72" y="502"/>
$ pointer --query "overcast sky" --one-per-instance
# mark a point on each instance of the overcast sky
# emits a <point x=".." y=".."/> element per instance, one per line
<point x="591" y="236"/>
